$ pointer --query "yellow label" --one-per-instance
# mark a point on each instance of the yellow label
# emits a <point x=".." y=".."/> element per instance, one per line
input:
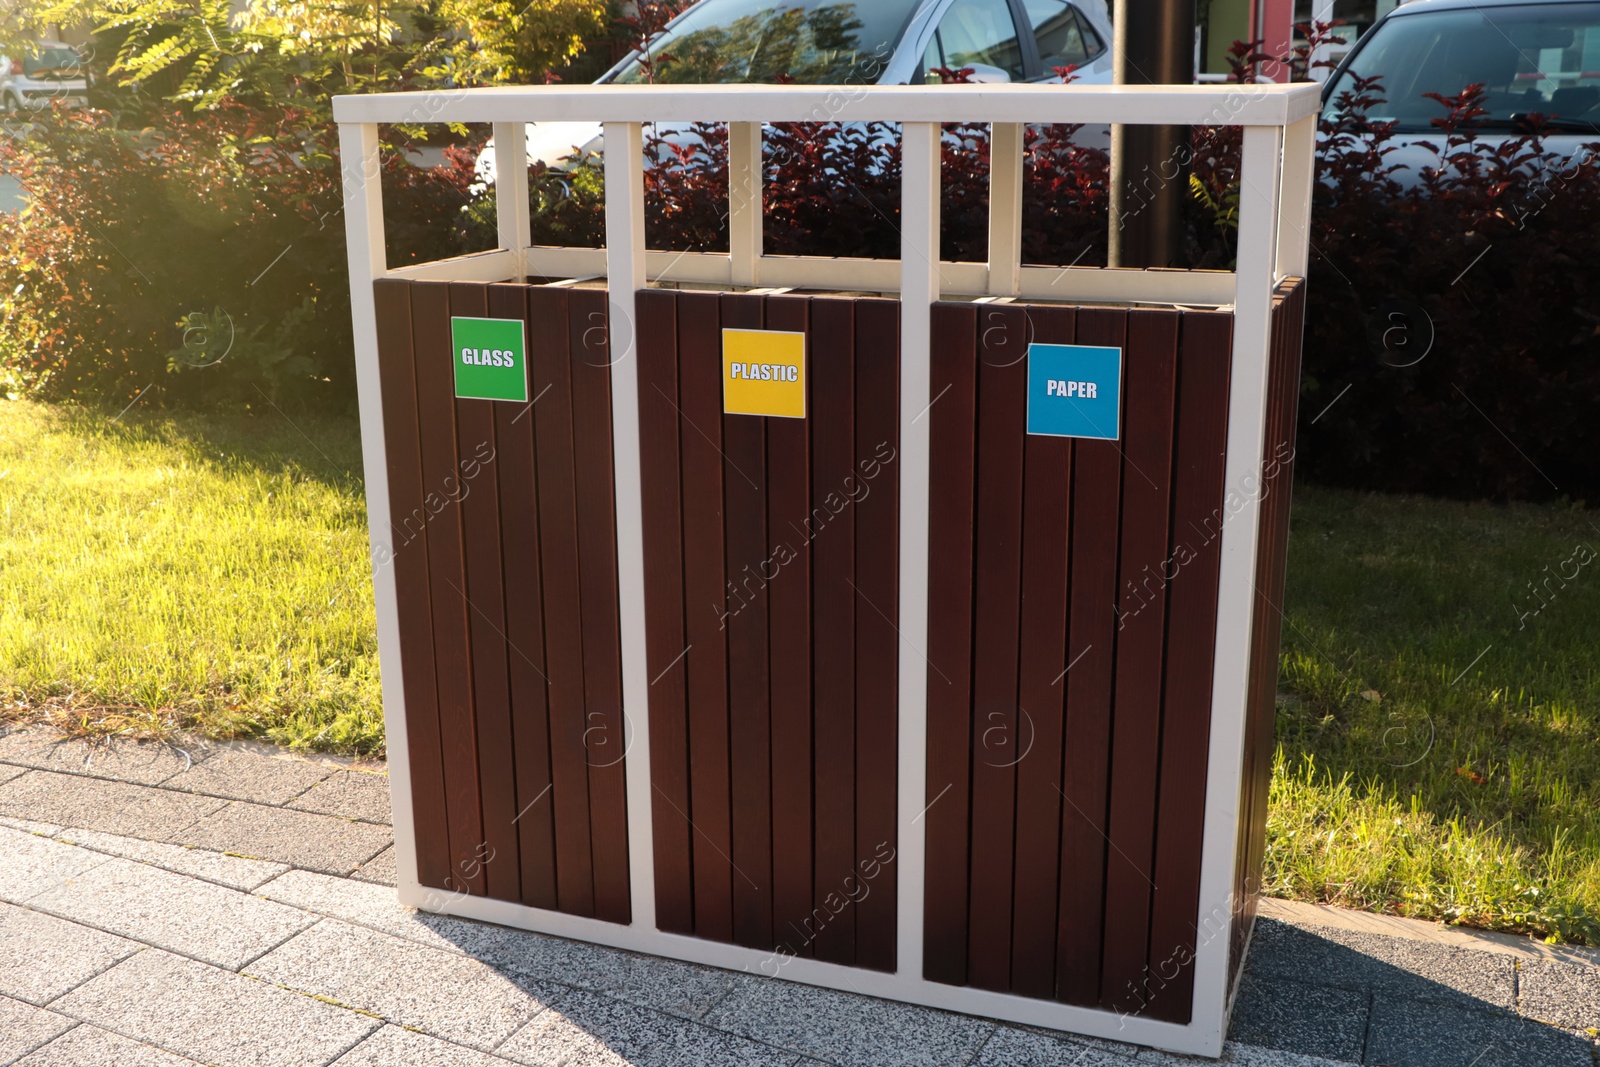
<point x="764" y="373"/>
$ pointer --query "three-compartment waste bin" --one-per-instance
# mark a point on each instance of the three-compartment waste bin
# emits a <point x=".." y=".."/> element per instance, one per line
<point x="903" y="627"/>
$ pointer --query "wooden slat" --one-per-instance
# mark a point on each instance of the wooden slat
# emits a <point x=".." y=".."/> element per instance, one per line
<point x="430" y="327"/>
<point x="831" y="526"/>
<point x="1205" y="342"/>
<point x="1002" y="420"/>
<point x="1096" y="499"/>
<point x="409" y="516"/>
<point x="1042" y="655"/>
<point x="477" y="474"/>
<point x="530" y="717"/>
<point x="744" y="496"/>
<point x="874" y="491"/>
<point x="706" y="596"/>
<point x="1149" y="383"/>
<point x="604" y="733"/>
<point x="954" y="362"/>
<point x="665" y="638"/>
<point x="789" y="601"/>
<point x="548" y="345"/>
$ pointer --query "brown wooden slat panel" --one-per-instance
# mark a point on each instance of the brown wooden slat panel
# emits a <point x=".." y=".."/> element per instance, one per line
<point x="706" y="595"/>
<point x="665" y="638"/>
<point x="486" y="623"/>
<point x="744" y="495"/>
<point x="548" y="349"/>
<point x="530" y="719"/>
<point x="430" y="328"/>
<point x="409" y="513"/>
<point x="789" y="605"/>
<point x="1002" y="420"/>
<point x="1150" y="385"/>
<point x="1205" y="343"/>
<point x="831" y="525"/>
<point x="604" y="732"/>
<point x="954" y="362"/>
<point x="1096" y="499"/>
<point x="877" y="510"/>
<point x="1042" y="654"/>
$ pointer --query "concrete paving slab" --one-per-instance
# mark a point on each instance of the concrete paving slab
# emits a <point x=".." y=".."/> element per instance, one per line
<point x="587" y="1028"/>
<point x="842" y="1028"/>
<point x="380" y="869"/>
<point x="71" y="800"/>
<point x="1312" y="1020"/>
<point x="246" y="774"/>
<point x="214" y="1016"/>
<point x="235" y="872"/>
<point x="664" y="985"/>
<point x="144" y="762"/>
<point x="1012" y="1047"/>
<point x="440" y="993"/>
<point x="90" y="1046"/>
<point x="42" y="957"/>
<point x="24" y="1028"/>
<point x="1353" y="959"/>
<point x="299" y="838"/>
<point x="1237" y="1055"/>
<point x="352" y="794"/>
<point x="377" y="907"/>
<point x="8" y="772"/>
<point x="183" y="915"/>
<point x="1564" y="994"/>
<point x="396" y="1047"/>
<point x="1411" y="1033"/>
<point x="1297" y="913"/>
<point x="30" y="864"/>
<point x="47" y="829"/>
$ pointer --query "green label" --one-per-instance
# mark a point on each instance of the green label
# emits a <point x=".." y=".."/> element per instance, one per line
<point x="491" y="358"/>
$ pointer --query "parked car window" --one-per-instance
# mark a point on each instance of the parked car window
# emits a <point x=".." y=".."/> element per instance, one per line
<point x="1065" y="37"/>
<point x="815" y="42"/>
<point x="1541" y="58"/>
<point x="53" y="63"/>
<point x="979" y="34"/>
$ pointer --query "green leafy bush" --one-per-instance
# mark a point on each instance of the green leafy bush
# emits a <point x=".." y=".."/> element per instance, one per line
<point x="204" y="260"/>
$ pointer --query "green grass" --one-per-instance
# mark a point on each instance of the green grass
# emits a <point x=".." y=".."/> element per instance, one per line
<point x="205" y="573"/>
<point x="1413" y="776"/>
<point x="210" y="574"/>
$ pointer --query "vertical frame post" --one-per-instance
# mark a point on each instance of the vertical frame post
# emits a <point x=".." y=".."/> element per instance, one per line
<point x="1259" y="182"/>
<point x="625" y="276"/>
<point x="512" y="213"/>
<point x="744" y="201"/>
<point x="364" y="238"/>
<point x="1299" y="176"/>
<point x="919" y="288"/>
<point x="1005" y="208"/>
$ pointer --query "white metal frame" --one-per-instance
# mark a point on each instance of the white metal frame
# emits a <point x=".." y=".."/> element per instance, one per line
<point x="1275" y="199"/>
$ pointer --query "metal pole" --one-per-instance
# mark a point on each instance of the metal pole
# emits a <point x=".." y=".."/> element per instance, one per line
<point x="1153" y="45"/>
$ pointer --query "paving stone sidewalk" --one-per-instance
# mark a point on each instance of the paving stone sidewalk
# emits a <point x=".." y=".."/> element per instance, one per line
<point x="170" y="905"/>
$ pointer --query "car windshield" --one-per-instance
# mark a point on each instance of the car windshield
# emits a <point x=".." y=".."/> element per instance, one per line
<point x="52" y="61"/>
<point x="1541" y="58"/>
<point x="815" y="42"/>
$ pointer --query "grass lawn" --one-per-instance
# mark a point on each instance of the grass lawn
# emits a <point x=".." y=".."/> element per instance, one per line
<point x="197" y="572"/>
<point x="1439" y="737"/>
<point x="1439" y="731"/>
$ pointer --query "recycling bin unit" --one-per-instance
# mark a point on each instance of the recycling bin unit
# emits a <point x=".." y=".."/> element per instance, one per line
<point x="904" y="627"/>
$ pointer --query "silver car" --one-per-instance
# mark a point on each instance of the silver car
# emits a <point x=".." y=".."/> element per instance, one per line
<point x="1531" y="56"/>
<point x="51" y="72"/>
<point x="829" y="42"/>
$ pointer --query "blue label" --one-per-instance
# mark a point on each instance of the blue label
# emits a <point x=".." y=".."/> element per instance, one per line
<point x="1075" y="391"/>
